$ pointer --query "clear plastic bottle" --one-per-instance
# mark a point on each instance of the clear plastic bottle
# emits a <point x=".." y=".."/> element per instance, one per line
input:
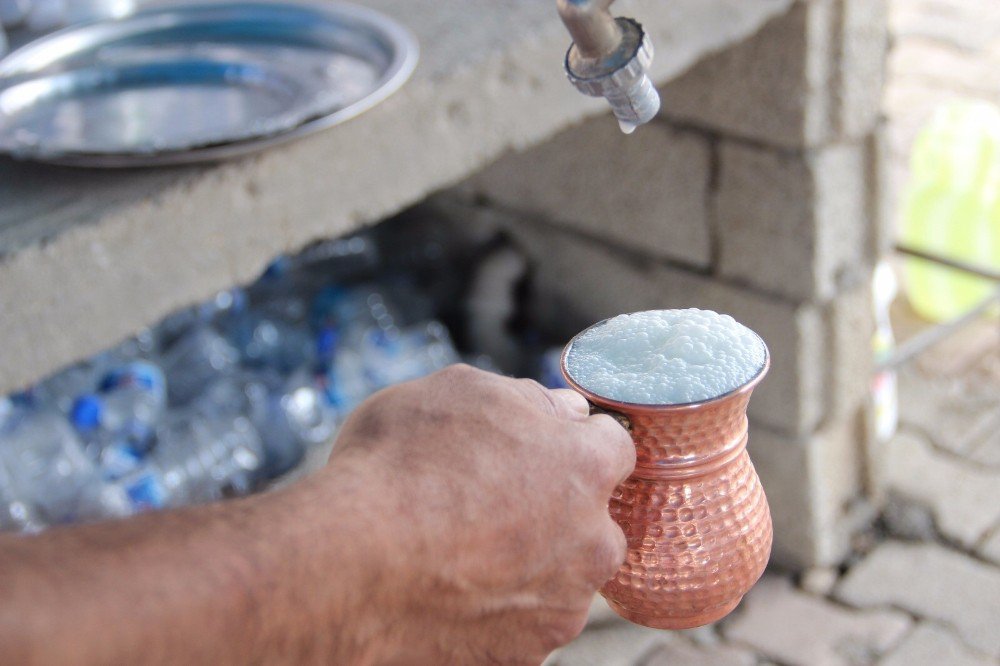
<point x="290" y="416"/>
<point x="7" y="410"/>
<point x="431" y="348"/>
<point x="45" y="466"/>
<point x="199" y="459"/>
<point x="13" y="12"/>
<point x="16" y="515"/>
<point x="13" y="409"/>
<point x="194" y="361"/>
<point x="265" y="342"/>
<point x="290" y="422"/>
<point x="353" y="310"/>
<point x="104" y="500"/>
<point x="126" y="411"/>
<point x="395" y="356"/>
<point x="45" y="15"/>
<point x="225" y="304"/>
<point x="61" y="389"/>
<point x="345" y="382"/>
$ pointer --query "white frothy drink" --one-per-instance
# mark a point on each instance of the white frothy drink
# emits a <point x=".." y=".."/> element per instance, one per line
<point x="665" y="357"/>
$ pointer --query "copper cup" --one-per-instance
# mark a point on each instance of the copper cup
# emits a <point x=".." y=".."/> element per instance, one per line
<point x="693" y="511"/>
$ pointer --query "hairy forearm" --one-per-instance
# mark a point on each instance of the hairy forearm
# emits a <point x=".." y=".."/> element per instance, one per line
<point x="281" y="577"/>
<point x="462" y="519"/>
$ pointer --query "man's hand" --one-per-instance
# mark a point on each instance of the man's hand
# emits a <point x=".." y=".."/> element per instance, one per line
<point x="492" y="500"/>
<point x="462" y="519"/>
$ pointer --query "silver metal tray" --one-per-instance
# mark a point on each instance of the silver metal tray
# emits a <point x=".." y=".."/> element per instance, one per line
<point x="197" y="82"/>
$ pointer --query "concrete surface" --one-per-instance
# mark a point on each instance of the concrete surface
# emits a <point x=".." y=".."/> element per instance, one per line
<point x="681" y="653"/>
<point x="650" y="195"/>
<point x="814" y="631"/>
<point x="963" y="496"/>
<point x="617" y="644"/>
<point x="87" y="258"/>
<point x="933" y="645"/>
<point x="933" y="582"/>
<point x="794" y="223"/>
<point x="811" y="76"/>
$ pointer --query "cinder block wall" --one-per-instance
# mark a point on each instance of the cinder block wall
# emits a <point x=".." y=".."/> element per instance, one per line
<point x="756" y="193"/>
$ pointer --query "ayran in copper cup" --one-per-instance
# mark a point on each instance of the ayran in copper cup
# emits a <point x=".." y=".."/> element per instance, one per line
<point x="694" y="513"/>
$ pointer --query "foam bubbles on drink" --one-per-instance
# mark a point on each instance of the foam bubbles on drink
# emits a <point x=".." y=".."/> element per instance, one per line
<point x="666" y="357"/>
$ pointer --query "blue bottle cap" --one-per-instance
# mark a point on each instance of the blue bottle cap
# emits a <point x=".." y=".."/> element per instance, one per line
<point x="328" y="388"/>
<point x="146" y="492"/>
<point x="326" y="342"/>
<point x="86" y="413"/>
<point x="328" y="304"/>
<point x="139" y="374"/>
<point x="119" y="459"/>
<point x="277" y="269"/>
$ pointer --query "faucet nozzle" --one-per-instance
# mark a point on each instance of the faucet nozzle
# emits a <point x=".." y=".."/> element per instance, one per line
<point x="610" y="58"/>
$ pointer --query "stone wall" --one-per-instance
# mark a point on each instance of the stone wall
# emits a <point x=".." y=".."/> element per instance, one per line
<point x="757" y="193"/>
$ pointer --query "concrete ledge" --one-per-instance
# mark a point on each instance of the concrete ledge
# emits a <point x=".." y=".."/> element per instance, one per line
<point x="87" y="258"/>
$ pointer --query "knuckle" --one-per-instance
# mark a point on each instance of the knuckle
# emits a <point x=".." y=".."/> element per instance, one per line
<point x="616" y="449"/>
<point x="539" y="396"/>
<point x="611" y="458"/>
<point x="609" y="553"/>
<point x="611" y="428"/>
<point x="458" y="371"/>
<point x="571" y="402"/>
<point x="457" y="383"/>
<point x="564" y="629"/>
<point x="606" y="426"/>
<point x="628" y="456"/>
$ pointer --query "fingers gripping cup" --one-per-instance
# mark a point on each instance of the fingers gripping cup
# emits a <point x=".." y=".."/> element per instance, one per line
<point x="693" y="512"/>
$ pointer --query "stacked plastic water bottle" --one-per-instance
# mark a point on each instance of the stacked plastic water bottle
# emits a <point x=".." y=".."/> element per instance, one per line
<point x="220" y="398"/>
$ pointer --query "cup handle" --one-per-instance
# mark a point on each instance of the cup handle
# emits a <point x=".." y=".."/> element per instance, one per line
<point x="623" y="420"/>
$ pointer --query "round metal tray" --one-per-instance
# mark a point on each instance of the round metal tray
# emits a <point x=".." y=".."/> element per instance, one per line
<point x="199" y="82"/>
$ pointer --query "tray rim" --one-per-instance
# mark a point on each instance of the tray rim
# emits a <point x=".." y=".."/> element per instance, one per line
<point x="404" y="57"/>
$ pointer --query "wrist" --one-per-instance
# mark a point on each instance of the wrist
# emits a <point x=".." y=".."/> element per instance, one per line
<point x="345" y="531"/>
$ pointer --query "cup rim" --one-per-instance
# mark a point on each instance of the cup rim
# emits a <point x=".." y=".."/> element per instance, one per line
<point x="621" y="405"/>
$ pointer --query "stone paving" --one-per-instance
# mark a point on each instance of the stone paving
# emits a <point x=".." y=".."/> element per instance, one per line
<point x="924" y="585"/>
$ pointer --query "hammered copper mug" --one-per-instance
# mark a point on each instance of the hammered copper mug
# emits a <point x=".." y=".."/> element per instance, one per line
<point x="694" y="513"/>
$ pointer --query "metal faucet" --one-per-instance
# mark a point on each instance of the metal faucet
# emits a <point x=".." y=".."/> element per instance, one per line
<point x="610" y="58"/>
